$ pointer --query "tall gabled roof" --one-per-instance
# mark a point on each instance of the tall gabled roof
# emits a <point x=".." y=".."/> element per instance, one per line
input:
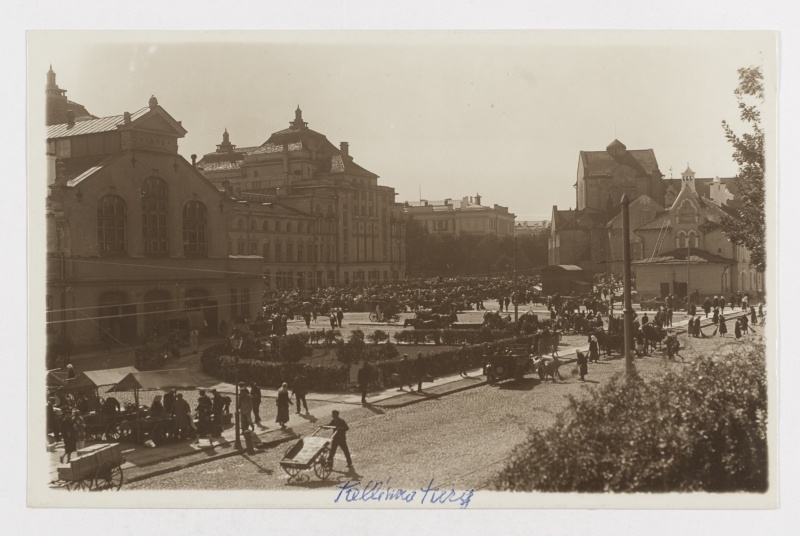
<point x="602" y="163"/>
<point x="111" y="123"/>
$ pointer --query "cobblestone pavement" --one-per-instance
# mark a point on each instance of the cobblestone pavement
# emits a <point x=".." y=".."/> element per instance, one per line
<point x="460" y="440"/>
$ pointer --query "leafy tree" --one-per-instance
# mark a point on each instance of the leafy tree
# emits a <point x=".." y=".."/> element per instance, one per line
<point x="749" y="228"/>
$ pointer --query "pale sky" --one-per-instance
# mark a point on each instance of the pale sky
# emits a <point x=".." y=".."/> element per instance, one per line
<point x="500" y="114"/>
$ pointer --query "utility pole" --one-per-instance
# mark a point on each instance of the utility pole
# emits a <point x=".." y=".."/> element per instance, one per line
<point x="626" y="284"/>
<point x="516" y="286"/>
<point x="688" y="270"/>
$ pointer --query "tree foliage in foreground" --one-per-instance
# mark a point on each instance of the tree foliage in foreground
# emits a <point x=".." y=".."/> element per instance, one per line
<point x="700" y="429"/>
<point x="749" y="229"/>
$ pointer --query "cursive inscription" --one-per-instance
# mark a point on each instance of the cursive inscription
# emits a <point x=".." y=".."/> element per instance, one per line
<point x="380" y="491"/>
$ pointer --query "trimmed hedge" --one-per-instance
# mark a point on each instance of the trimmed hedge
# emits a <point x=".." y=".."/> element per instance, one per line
<point x="450" y="337"/>
<point x="700" y="429"/>
<point x="217" y="362"/>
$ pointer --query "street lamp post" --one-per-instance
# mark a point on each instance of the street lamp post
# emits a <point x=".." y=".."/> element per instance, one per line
<point x="626" y="284"/>
<point x="236" y="341"/>
<point x="516" y="285"/>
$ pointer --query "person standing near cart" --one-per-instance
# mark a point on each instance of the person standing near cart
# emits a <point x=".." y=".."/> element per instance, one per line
<point x="339" y="439"/>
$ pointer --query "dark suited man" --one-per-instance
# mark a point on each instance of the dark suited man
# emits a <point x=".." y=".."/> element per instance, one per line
<point x="339" y="438"/>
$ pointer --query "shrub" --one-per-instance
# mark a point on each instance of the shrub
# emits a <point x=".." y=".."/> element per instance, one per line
<point x="700" y="429"/>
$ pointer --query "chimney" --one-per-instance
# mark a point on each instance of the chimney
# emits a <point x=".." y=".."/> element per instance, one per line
<point x="477" y="199"/>
<point x="127" y="118"/>
<point x="194" y="160"/>
<point x="344" y="147"/>
<point x="153" y="102"/>
<point x="70" y="119"/>
<point x="61" y="171"/>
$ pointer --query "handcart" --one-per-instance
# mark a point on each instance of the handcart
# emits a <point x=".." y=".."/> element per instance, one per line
<point x="97" y="468"/>
<point x="308" y="452"/>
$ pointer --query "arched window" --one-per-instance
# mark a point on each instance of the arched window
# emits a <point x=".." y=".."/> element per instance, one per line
<point x="288" y="227"/>
<point x="277" y="227"/>
<point x="693" y="239"/>
<point x="154" y="216"/>
<point x="111" y="225"/>
<point x="252" y="225"/>
<point x="265" y="226"/>
<point x="680" y="241"/>
<point x="240" y="224"/>
<point x="744" y="281"/>
<point x="194" y="229"/>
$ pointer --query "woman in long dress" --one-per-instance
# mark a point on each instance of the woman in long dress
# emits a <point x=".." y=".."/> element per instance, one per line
<point x="723" y="329"/>
<point x="283" y="403"/>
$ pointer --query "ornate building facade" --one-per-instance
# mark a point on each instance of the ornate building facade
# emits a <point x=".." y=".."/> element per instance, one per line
<point x="314" y="215"/>
<point x="137" y="239"/>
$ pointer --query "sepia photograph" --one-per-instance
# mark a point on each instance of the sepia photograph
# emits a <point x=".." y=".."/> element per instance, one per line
<point x="402" y="269"/>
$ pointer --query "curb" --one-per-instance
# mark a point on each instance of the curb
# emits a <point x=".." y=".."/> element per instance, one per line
<point x="193" y="463"/>
<point x="383" y="403"/>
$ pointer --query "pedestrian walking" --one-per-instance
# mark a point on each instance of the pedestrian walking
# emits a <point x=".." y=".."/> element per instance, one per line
<point x="183" y="417"/>
<point x="405" y="373"/>
<point x="300" y="387"/>
<point x="418" y="370"/>
<point x="245" y="408"/>
<point x="70" y="436"/>
<point x="339" y="439"/>
<point x="255" y="394"/>
<point x="332" y="318"/>
<point x="463" y="360"/>
<point x="753" y="318"/>
<point x="307" y="318"/>
<point x="283" y="402"/>
<point x="723" y="328"/>
<point x="583" y="365"/>
<point x="363" y="381"/>
<point x="339" y="316"/>
<point x="737" y="329"/>
<point x="743" y="322"/>
<point x="508" y="301"/>
<point x="204" y="414"/>
<point x="217" y="411"/>
<point x="594" y="349"/>
<point x="194" y="340"/>
<point x="707" y="306"/>
<point x="722" y="304"/>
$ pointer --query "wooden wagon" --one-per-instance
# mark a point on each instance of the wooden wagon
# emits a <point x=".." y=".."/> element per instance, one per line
<point x="97" y="468"/>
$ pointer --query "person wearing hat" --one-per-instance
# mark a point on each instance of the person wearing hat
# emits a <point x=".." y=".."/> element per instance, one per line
<point x="70" y="372"/>
<point x="255" y="394"/>
<point x="204" y="409"/>
<point x="217" y="410"/>
<point x="339" y="439"/>
<point x="183" y="416"/>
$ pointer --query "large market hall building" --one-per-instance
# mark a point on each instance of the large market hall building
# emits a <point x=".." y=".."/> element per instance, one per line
<point x="137" y="238"/>
<point x="315" y="216"/>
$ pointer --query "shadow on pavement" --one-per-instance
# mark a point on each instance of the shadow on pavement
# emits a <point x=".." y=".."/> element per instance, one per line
<point x="307" y="416"/>
<point x="261" y="468"/>
<point x="526" y="384"/>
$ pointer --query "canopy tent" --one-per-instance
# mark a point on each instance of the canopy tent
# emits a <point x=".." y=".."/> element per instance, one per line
<point x="56" y="379"/>
<point x="155" y="380"/>
<point x="92" y="379"/>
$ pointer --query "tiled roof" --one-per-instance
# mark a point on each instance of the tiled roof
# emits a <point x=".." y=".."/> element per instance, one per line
<point x="576" y="219"/>
<point x="274" y="148"/>
<point x="655" y="224"/>
<point x="91" y="126"/>
<point x="602" y="163"/>
<point x="678" y="256"/>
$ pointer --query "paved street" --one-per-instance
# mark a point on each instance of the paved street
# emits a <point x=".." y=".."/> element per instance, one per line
<point x="460" y="440"/>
